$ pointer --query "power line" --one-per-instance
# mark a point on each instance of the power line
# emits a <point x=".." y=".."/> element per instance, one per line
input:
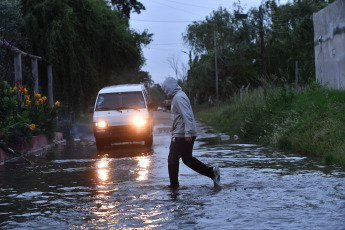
<point x="166" y="44"/>
<point x="176" y="8"/>
<point x="159" y="49"/>
<point x="160" y="21"/>
<point x="186" y="4"/>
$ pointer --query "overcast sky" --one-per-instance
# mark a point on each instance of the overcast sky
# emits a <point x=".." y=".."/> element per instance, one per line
<point x="168" y="20"/>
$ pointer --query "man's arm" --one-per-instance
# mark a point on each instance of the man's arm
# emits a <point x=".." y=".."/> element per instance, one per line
<point x="185" y="109"/>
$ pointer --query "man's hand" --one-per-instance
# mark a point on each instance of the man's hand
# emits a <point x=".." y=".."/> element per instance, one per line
<point x="188" y="139"/>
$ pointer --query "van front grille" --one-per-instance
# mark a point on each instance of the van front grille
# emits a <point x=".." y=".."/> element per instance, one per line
<point x="120" y="131"/>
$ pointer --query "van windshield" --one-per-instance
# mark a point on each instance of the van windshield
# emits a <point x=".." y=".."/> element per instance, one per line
<point x="118" y="101"/>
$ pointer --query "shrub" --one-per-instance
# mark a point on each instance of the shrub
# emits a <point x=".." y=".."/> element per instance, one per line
<point x="307" y="121"/>
<point x="23" y="115"/>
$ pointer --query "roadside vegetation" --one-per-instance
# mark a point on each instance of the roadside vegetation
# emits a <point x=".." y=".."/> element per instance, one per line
<point x="24" y="114"/>
<point x="287" y="32"/>
<point x="89" y="45"/>
<point x="308" y="121"/>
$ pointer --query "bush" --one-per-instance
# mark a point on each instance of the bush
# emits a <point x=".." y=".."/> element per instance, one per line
<point x="308" y="121"/>
<point x="23" y="115"/>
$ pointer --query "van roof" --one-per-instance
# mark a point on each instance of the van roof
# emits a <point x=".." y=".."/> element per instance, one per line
<point x="122" y="88"/>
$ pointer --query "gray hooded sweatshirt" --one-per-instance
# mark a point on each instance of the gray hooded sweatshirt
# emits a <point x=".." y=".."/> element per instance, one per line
<point x="181" y="110"/>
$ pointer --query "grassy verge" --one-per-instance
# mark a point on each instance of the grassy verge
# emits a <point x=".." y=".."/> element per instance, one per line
<point x="310" y="121"/>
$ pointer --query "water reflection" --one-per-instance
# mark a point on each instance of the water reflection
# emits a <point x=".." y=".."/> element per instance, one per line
<point x="118" y="171"/>
<point x="125" y="188"/>
<point x="143" y="164"/>
<point x="103" y="169"/>
<point x="123" y="150"/>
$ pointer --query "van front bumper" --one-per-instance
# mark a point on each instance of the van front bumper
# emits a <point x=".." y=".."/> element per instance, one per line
<point x="123" y="133"/>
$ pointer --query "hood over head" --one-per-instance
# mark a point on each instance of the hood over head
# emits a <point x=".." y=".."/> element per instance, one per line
<point x="170" y="86"/>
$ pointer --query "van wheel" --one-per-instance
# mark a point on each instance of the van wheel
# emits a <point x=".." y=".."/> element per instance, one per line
<point x="100" y="145"/>
<point x="149" y="141"/>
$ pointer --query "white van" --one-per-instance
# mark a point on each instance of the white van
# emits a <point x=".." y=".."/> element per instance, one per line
<point x="122" y="113"/>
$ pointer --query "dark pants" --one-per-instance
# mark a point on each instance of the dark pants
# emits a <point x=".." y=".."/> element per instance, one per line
<point x="179" y="148"/>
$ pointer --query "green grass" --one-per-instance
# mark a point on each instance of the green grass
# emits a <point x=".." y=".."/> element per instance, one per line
<point x="310" y="121"/>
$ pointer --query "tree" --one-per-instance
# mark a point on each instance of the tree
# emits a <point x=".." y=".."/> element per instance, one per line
<point x="288" y="33"/>
<point x="236" y="51"/>
<point x="11" y="23"/>
<point x="88" y="43"/>
<point x="131" y="76"/>
<point x="157" y="95"/>
<point x="201" y="82"/>
<point x="179" y="68"/>
<point x="290" y="38"/>
<point x="126" y="6"/>
<point x="174" y="64"/>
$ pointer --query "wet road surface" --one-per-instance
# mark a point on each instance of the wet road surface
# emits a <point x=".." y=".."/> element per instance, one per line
<point x="125" y="187"/>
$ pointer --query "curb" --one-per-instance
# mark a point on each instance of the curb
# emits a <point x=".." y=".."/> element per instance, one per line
<point x="39" y="143"/>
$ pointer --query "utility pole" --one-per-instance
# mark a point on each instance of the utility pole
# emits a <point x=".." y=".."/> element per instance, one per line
<point x="190" y="71"/>
<point x="262" y="45"/>
<point x="215" y="63"/>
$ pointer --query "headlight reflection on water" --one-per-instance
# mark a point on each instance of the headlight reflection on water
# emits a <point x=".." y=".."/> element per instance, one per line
<point x="103" y="169"/>
<point x="143" y="163"/>
<point x="122" y="205"/>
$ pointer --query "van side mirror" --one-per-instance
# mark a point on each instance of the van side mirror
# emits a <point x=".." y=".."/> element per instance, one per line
<point x="91" y="109"/>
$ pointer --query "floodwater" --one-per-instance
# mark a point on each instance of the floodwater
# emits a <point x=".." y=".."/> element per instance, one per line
<point x="125" y="187"/>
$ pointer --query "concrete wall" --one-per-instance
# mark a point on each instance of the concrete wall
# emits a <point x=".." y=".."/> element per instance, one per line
<point x="329" y="45"/>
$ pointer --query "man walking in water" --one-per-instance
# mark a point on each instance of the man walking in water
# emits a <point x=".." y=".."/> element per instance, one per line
<point x="183" y="136"/>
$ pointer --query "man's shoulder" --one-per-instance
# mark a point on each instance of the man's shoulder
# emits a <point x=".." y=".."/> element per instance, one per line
<point x="180" y="94"/>
<point x="181" y="100"/>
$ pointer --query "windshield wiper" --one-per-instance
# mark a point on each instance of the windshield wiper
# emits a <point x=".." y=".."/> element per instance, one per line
<point x="126" y="107"/>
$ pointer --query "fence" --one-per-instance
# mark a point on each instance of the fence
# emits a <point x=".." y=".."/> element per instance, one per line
<point x="18" y="54"/>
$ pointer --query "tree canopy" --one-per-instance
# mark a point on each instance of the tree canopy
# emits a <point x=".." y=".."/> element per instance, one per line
<point x="126" y="6"/>
<point x="89" y="44"/>
<point x="288" y="37"/>
<point x="11" y="22"/>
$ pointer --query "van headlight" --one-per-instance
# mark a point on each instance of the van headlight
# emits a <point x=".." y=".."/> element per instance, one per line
<point x="140" y="121"/>
<point x="101" y="124"/>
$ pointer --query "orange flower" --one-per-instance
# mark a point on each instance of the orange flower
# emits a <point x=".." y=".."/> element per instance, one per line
<point x="57" y="104"/>
<point x="44" y="98"/>
<point x="37" y="103"/>
<point x="21" y="89"/>
<point x="14" y="89"/>
<point x="28" y="102"/>
<point x="38" y="96"/>
<point x="25" y="91"/>
<point x="41" y="101"/>
<point x="32" y="127"/>
<point x="27" y="97"/>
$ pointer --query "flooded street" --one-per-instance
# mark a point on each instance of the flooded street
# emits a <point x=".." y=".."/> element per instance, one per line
<point x="125" y="187"/>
